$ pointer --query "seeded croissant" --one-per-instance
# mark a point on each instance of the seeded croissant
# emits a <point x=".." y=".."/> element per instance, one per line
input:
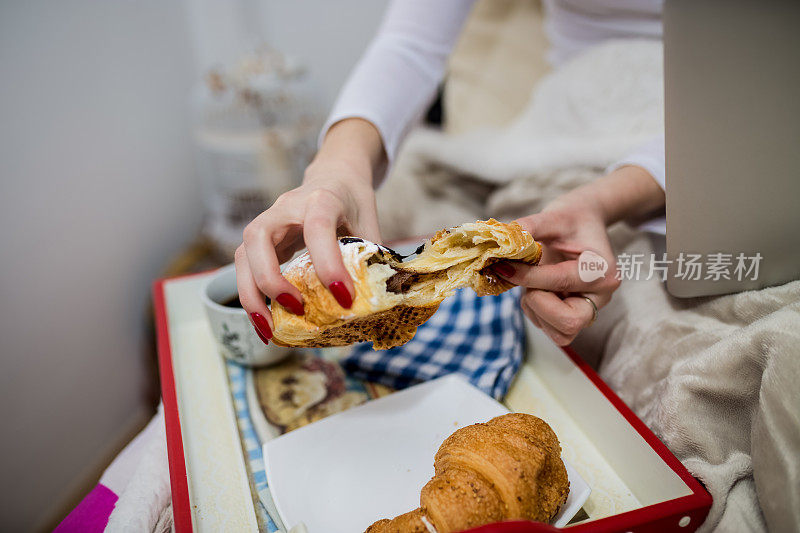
<point x="509" y="468"/>
<point x="393" y="297"/>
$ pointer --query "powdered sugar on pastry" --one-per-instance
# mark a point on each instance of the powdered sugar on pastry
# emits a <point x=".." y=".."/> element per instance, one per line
<point x="352" y="252"/>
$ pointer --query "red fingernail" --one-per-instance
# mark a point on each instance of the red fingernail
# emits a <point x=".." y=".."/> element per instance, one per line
<point x="261" y="326"/>
<point x="341" y="294"/>
<point x="262" y="337"/>
<point x="504" y="269"/>
<point x="291" y="303"/>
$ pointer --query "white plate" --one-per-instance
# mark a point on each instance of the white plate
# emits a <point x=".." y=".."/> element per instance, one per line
<point x="348" y="470"/>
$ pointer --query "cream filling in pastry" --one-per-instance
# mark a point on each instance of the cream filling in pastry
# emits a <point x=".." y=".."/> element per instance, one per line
<point x="447" y="262"/>
<point x="391" y="297"/>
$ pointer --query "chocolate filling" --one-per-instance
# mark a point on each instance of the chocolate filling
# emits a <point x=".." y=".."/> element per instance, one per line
<point x="384" y="249"/>
<point x="395" y="255"/>
<point x="401" y="281"/>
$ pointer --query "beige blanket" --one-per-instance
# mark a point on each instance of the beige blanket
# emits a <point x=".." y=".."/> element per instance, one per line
<point x="717" y="379"/>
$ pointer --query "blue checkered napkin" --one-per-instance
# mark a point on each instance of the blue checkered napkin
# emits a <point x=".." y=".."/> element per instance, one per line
<point x="266" y="512"/>
<point x="479" y="337"/>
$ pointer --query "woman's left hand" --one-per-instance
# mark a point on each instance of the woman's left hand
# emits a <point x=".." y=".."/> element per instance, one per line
<point x="555" y="295"/>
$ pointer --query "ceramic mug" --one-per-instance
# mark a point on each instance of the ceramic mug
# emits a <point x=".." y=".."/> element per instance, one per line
<point x="231" y="326"/>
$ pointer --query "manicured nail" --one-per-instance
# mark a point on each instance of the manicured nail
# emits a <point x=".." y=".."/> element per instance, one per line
<point x="341" y="294"/>
<point x="291" y="303"/>
<point x="262" y="337"/>
<point x="261" y="326"/>
<point x="504" y="269"/>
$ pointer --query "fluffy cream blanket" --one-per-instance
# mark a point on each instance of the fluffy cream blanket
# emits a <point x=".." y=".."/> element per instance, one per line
<point x="715" y="378"/>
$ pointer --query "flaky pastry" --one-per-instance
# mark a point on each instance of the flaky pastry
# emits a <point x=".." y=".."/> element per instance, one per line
<point x="393" y="297"/>
<point x="509" y="468"/>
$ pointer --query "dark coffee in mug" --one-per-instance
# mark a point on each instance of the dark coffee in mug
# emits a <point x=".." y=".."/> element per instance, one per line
<point x="233" y="301"/>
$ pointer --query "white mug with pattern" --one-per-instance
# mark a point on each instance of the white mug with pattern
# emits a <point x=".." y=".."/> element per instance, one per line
<point x="230" y="325"/>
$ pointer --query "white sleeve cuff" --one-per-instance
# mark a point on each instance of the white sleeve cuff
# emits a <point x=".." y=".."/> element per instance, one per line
<point x="397" y="76"/>
<point x="650" y="157"/>
<point x="387" y="90"/>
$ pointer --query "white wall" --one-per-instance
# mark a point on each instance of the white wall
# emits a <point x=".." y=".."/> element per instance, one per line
<point x="96" y="192"/>
<point x="328" y="36"/>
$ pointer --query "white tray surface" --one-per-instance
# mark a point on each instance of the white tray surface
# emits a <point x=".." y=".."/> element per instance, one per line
<point x="622" y="470"/>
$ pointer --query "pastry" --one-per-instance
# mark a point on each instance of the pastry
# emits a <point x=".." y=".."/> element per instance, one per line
<point x="301" y="390"/>
<point x="392" y="296"/>
<point x="509" y="468"/>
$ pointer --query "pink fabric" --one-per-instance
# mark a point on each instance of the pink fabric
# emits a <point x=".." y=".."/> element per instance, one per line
<point x="91" y="515"/>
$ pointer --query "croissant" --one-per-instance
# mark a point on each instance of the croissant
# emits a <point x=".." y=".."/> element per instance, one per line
<point x="508" y="468"/>
<point x="393" y="297"/>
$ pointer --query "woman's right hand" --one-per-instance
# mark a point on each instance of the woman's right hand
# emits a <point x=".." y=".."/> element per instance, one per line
<point x="337" y="197"/>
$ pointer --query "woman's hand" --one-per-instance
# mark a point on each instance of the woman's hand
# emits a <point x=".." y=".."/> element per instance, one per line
<point x="336" y="197"/>
<point x="555" y="296"/>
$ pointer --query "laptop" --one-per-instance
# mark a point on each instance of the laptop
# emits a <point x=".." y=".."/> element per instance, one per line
<point x="732" y="109"/>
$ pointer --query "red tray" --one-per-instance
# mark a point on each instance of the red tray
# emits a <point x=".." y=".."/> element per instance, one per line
<point x="662" y="495"/>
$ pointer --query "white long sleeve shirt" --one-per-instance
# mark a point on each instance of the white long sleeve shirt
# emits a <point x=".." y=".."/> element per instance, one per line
<point x="397" y="77"/>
